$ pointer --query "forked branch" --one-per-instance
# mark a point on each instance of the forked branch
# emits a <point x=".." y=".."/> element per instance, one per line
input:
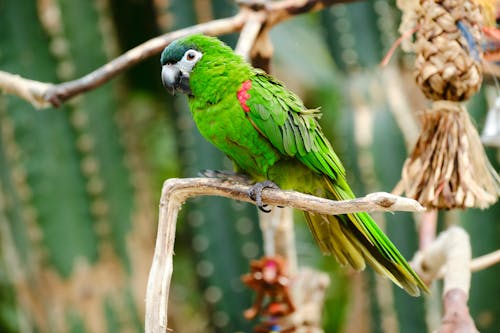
<point x="449" y="257"/>
<point x="176" y="191"/>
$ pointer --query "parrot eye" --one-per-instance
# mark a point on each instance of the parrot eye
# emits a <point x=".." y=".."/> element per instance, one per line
<point x="190" y="55"/>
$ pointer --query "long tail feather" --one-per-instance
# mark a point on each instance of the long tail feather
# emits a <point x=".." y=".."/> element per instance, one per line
<point x="356" y="238"/>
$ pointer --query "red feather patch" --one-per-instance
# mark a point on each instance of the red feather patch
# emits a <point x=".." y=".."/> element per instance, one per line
<point x="243" y="94"/>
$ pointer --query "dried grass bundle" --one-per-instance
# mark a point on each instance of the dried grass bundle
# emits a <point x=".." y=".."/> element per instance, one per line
<point x="446" y="169"/>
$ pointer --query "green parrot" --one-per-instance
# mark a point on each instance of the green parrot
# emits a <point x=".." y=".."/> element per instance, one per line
<point x="270" y="135"/>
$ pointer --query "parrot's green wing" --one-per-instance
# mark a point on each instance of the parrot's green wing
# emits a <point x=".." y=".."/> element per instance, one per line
<point x="281" y="117"/>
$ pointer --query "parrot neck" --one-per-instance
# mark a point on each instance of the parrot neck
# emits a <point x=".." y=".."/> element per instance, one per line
<point x="213" y="81"/>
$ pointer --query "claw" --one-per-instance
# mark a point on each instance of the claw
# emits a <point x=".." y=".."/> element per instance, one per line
<point x="255" y="193"/>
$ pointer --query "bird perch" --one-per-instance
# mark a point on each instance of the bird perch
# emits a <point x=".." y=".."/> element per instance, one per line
<point x="176" y="191"/>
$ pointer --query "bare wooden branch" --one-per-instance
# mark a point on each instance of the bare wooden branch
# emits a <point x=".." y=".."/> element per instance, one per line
<point x="42" y="94"/>
<point x="450" y="253"/>
<point x="456" y="313"/>
<point x="283" y="10"/>
<point x="58" y="94"/>
<point x="427" y="229"/>
<point x="477" y="264"/>
<point x="30" y="90"/>
<point x="438" y="267"/>
<point x="185" y="188"/>
<point x="456" y="316"/>
<point x="176" y="191"/>
<point x="249" y="34"/>
<point x="485" y="261"/>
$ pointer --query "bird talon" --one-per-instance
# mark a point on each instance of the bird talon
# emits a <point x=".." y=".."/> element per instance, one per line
<point x="255" y="193"/>
<point x="263" y="209"/>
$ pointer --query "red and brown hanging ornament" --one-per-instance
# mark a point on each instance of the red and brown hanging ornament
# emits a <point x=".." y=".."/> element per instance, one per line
<point x="269" y="279"/>
<point x="448" y="167"/>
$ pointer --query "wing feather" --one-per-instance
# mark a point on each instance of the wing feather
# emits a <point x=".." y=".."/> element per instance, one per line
<point x="291" y="128"/>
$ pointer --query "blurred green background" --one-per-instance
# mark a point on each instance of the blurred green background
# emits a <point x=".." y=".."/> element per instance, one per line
<point x="79" y="185"/>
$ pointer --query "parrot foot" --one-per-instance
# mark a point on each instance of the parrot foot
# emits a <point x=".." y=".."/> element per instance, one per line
<point x="226" y="175"/>
<point x="255" y="193"/>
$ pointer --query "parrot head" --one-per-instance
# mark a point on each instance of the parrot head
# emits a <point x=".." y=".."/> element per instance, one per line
<point x="195" y="56"/>
<point x="178" y="60"/>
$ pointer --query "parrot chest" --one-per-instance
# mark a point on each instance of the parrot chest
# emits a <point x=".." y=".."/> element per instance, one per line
<point x="226" y="126"/>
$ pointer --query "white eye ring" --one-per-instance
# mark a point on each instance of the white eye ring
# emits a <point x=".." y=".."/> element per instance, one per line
<point x="192" y="55"/>
<point x="189" y="60"/>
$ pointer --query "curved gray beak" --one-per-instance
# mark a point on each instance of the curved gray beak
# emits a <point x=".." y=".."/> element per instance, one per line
<point x="174" y="79"/>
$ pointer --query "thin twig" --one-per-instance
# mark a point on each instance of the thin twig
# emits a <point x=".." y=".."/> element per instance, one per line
<point x="56" y="94"/>
<point x="62" y="92"/>
<point x="485" y="261"/>
<point x="176" y="191"/>
<point x="395" y="45"/>
<point x="477" y="264"/>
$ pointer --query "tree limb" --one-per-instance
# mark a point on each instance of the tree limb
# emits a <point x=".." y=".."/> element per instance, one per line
<point x="185" y="188"/>
<point x="450" y="255"/>
<point x="32" y="91"/>
<point x="176" y="191"/>
<point x="248" y="36"/>
<point x="427" y="229"/>
<point x="43" y="94"/>
<point x="450" y="251"/>
<point x="456" y="313"/>
<point x="59" y="93"/>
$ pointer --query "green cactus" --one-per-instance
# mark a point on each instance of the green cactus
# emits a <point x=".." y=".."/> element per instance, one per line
<point x="79" y="185"/>
<point x="67" y="199"/>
